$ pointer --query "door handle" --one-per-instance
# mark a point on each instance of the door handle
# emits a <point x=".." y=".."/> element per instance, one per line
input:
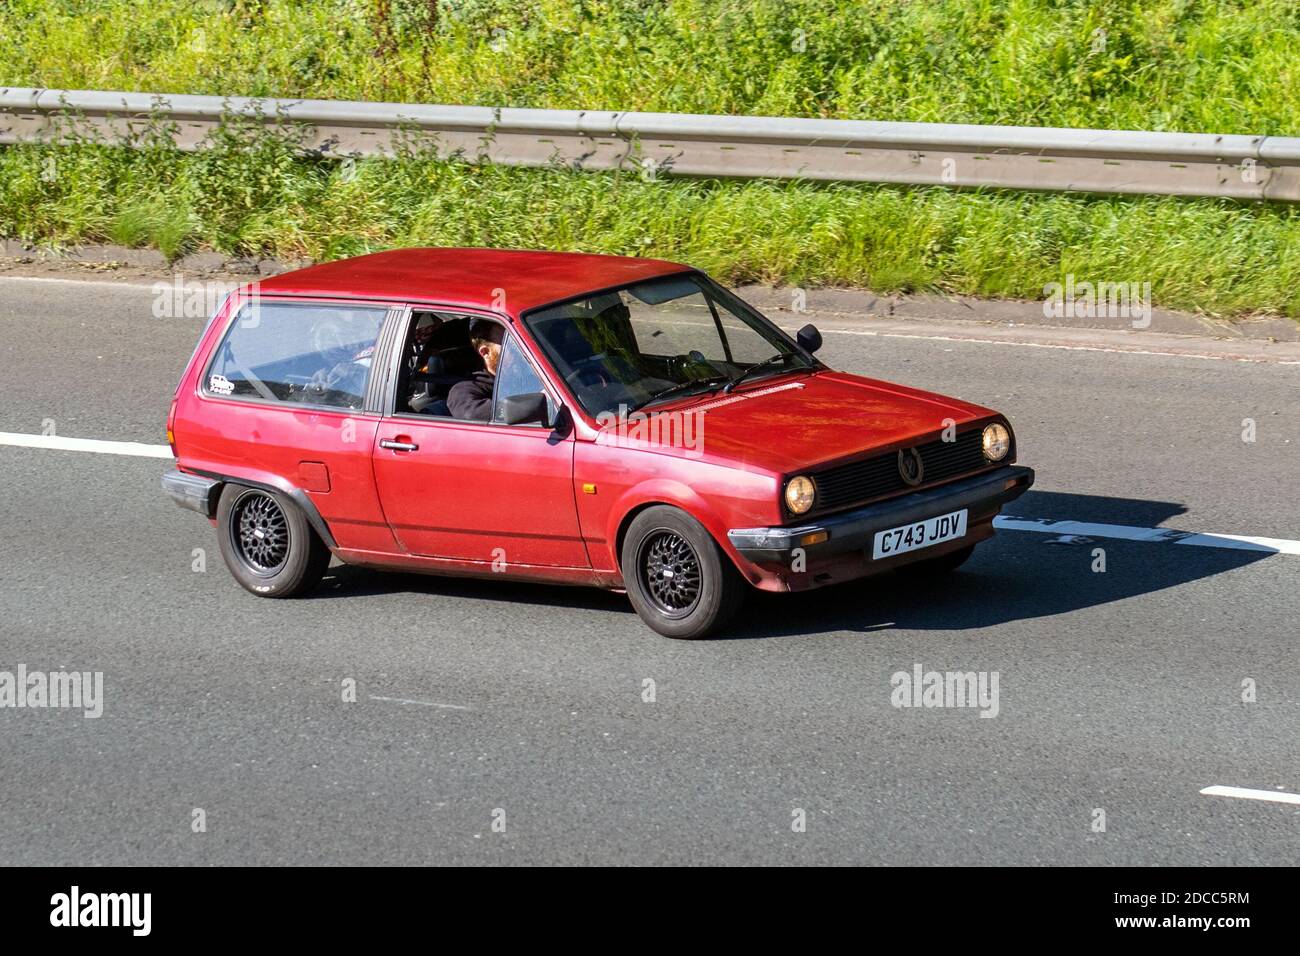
<point x="398" y="445"/>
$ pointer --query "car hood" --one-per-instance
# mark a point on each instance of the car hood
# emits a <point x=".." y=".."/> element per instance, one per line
<point x="791" y="423"/>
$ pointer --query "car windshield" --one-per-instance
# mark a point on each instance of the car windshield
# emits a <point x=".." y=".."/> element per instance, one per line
<point x="659" y="340"/>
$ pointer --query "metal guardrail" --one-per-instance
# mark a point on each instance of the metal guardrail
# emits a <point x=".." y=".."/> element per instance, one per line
<point x="1015" y="157"/>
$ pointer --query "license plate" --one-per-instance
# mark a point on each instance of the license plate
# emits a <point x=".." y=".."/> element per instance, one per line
<point x="922" y="534"/>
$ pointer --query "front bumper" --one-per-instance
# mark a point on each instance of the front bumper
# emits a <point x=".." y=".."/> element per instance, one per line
<point x="192" y="491"/>
<point x="853" y="531"/>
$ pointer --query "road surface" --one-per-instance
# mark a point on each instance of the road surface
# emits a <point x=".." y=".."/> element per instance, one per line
<point x="506" y="723"/>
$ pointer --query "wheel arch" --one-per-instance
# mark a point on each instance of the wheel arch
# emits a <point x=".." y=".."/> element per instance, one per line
<point x="685" y="500"/>
<point x="280" y="486"/>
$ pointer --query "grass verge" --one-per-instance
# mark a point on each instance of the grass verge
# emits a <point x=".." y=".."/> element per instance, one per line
<point x="254" y="194"/>
<point x="1223" y="66"/>
<point x="1192" y="65"/>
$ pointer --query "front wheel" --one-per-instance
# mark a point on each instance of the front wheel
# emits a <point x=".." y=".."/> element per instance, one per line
<point x="677" y="577"/>
<point x="267" y="543"/>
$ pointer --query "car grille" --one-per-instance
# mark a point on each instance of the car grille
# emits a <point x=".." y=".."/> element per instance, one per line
<point x="878" y="477"/>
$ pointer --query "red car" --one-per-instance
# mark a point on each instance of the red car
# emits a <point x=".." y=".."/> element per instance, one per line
<point x="578" y="419"/>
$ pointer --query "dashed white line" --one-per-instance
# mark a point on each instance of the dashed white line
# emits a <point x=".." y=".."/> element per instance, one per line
<point x="59" y="443"/>
<point x="99" y="282"/>
<point x="1232" y="542"/>
<point x="422" y="703"/>
<point x="1244" y="793"/>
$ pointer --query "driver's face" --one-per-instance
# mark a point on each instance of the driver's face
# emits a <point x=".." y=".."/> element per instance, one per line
<point x="422" y="335"/>
<point x="491" y="354"/>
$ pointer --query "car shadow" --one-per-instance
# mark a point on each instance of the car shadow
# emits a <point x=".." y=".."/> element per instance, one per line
<point x="345" y="581"/>
<point x="1014" y="576"/>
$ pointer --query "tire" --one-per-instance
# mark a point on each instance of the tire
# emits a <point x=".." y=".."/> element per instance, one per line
<point x="936" y="567"/>
<point x="286" y="560"/>
<point x="701" y="589"/>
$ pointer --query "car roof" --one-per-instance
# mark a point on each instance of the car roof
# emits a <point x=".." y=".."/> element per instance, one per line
<point x="509" y="280"/>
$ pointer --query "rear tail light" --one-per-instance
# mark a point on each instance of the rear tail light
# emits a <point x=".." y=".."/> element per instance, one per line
<point x="171" y="422"/>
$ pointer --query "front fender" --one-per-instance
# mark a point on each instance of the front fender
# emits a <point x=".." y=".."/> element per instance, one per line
<point x="667" y="491"/>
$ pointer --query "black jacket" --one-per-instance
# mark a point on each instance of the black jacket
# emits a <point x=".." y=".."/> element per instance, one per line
<point x="471" y="399"/>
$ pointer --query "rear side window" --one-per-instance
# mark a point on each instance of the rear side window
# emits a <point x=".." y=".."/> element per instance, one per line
<point x="300" y="354"/>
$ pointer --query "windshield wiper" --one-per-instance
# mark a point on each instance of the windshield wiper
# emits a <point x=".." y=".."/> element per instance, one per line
<point x="711" y="383"/>
<point x="753" y="370"/>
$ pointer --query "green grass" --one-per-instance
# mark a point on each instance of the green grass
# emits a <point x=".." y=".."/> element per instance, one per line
<point x="1193" y="65"/>
<point x="253" y="196"/>
<point x="1197" y="65"/>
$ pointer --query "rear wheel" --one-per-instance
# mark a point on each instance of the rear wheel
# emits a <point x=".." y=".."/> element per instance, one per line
<point x="267" y="542"/>
<point x="677" y="577"/>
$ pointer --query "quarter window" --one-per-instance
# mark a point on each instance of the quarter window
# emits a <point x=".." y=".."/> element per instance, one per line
<point x="297" y="354"/>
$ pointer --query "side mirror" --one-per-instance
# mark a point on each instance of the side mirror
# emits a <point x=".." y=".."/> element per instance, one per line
<point x="525" y="409"/>
<point x="809" y="339"/>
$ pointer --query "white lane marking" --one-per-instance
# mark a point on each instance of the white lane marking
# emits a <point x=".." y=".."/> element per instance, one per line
<point x="1233" y="542"/>
<point x="1259" y="360"/>
<point x="118" y="285"/>
<point x="1238" y="542"/>
<point x="1244" y="793"/>
<point x="59" y="443"/>
<point x="423" y="703"/>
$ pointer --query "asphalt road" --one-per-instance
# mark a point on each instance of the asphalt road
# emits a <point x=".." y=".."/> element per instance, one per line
<point x="1119" y="691"/>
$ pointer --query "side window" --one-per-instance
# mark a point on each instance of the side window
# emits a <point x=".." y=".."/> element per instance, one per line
<point x="436" y="356"/>
<point x="515" y="377"/>
<point x="297" y="354"/>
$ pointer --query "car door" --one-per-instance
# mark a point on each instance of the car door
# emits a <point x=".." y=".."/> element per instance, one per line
<point x="481" y="491"/>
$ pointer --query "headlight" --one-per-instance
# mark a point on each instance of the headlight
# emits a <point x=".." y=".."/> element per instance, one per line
<point x="799" y="494"/>
<point x="997" y="441"/>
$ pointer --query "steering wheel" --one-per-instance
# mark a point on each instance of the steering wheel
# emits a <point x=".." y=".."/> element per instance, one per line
<point x="345" y="376"/>
<point x="589" y="371"/>
<point x="682" y="365"/>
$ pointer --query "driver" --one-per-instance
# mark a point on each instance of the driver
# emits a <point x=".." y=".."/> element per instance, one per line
<point x="471" y="399"/>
